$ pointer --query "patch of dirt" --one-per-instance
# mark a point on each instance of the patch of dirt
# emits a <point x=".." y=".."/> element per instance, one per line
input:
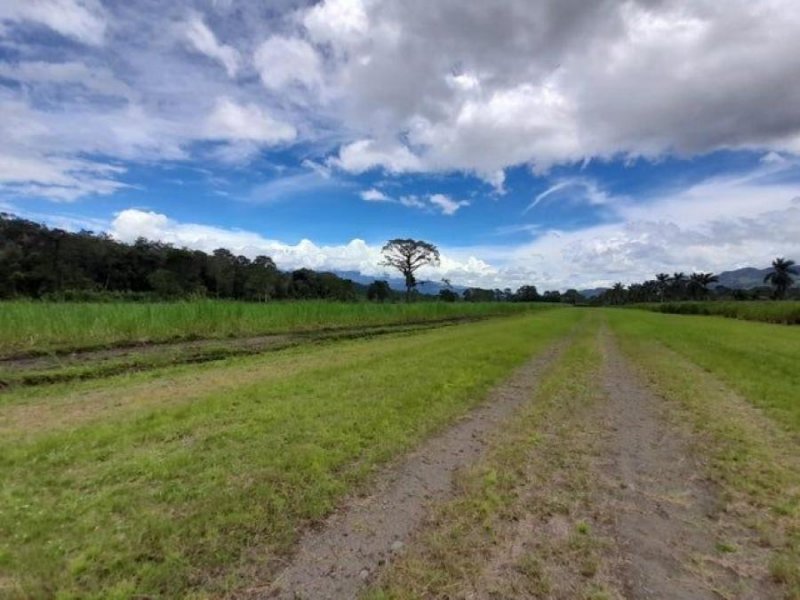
<point x="337" y="559"/>
<point x="672" y="538"/>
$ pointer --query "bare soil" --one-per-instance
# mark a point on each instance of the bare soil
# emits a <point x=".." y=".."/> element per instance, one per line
<point x="672" y="539"/>
<point x="336" y="560"/>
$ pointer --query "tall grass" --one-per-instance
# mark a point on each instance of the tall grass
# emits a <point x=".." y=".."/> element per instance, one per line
<point x="40" y="326"/>
<point x="785" y="312"/>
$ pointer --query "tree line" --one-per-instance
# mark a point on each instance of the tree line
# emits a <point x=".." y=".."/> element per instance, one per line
<point x="698" y="286"/>
<point x="40" y="262"/>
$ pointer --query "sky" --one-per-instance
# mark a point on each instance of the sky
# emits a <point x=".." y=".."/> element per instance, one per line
<point x="560" y="143"/>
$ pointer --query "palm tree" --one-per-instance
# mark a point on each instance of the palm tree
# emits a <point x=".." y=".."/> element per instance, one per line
<point x="781" y="276"/>
<point x="662" y="280"/>
<point x="678" y="285"/>
<point x="618" y="293"/>
<point x="699" y="282"/>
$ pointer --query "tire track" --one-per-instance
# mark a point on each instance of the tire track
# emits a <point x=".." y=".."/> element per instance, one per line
<point x="336" y="560"/>
<point x="667" y="513"/>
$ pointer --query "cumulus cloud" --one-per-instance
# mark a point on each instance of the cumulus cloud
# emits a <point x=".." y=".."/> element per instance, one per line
<point x="419" y="87"/>
<point x="447" y="205"/>
<point x="374" y="195"/>
<point x="355" y="255"/>
<point x="282" y="61"/>
<point x="203" y="40"/>
<point x="364" y="155"/>
<point x="485" y="86"/>
<point x="246" y="122"/>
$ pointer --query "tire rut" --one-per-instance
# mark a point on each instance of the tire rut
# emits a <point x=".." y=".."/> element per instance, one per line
<point x="667" y="515"/>
<point x="336" y="560"/>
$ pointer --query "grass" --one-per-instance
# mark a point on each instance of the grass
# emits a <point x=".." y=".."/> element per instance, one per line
<point x="105" y="363"/>
<point x="716" y="371"/>
<point x="761" y="361"/>
<point x="785" y="312"/>
<point x="491" y="540"/>
<point x="185" y="482"/>
<point x="37" y="327"/>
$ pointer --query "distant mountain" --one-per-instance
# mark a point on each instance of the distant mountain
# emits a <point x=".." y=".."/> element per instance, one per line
<point x="737" y="279"/>
<point x="743" y="279"/>
<point x="592" y="292"/>
<point x="396" y="283"/>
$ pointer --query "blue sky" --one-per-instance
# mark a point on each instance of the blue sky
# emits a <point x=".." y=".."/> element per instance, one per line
<point x="555" y="143"/>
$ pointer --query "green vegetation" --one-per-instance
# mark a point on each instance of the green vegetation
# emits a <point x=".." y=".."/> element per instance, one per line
<point x="536" y="470"/>
<point x="785" y="312"/>
<point x="753" y="457"/>
<point x="37" y="327"/>
<point x="189" y="480"/>
<point x="758" y="360"/>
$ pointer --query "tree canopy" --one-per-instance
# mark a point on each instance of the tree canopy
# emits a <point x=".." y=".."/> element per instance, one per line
<point x="407" y="256"/>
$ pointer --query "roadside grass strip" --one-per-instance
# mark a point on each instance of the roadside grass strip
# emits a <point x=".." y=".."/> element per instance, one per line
<point x="207" y="487"/>
<point x="522" y="522"/>
<point x="753" y="454"/>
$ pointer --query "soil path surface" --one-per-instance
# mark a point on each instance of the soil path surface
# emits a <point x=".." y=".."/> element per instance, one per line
<point x="337" y="560"/>
<point x="667" y="519"/>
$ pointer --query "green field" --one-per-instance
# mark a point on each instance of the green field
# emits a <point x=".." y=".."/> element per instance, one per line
<point x="37" y="327"/>
<point x="196" y="480"/>
<point x="179" y="480"/>
<point x="786" y="312"/>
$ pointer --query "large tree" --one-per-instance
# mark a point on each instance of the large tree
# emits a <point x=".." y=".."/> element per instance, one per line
<point x="781" y="276"/>
<point x="407" y="256"/>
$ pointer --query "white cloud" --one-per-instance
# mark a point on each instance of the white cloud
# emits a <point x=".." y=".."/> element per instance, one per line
<point x="202" y="39"/>
<point x="95" y="79"/>
<point x="82" y="20"/>
<point x="483" y="87"/>
<point x="57" y="178"/>
<point x="246" y="122"/>
<point x="433" y="202"/>
<point x="364" y="155"/>
<point x="447" y="205"/>
<point x="355" y="255"/>
<point x="337" y="21"/>
<point x="374" y="195"/>
<point x="413" y="87"/>
<point x="573" y="187"/>
<point x="283" y="61"/>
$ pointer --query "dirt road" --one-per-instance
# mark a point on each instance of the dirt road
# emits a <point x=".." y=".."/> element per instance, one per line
<point x="616" y="465"/>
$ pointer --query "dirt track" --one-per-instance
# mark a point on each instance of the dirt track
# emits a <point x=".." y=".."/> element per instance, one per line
<point x="666" y="513"/>
<point x="658" y="516"/>
<point x="336" y="560"/>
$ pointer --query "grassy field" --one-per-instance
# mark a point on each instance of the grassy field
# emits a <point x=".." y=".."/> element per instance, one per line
<point x="716" y="371"/>
<point x="38" y="327"/>
<point x="761" y="361"/>
<point x="196" y="480"/>
<point x="785" y="312"/>
<point x="714" y="376"/>
<point x="191" y="480"/>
